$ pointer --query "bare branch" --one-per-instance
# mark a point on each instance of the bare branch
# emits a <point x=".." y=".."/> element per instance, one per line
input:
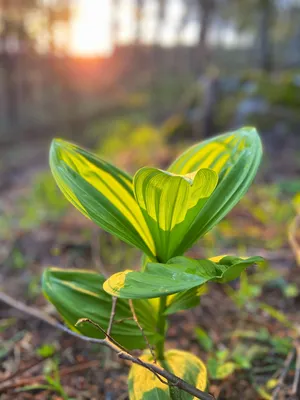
<point x="122" y="353"/>
<point x="44" y="317"/>
<point x="141" y="329"/>
<point x="108" y="338"/>
<point x="111" y="340"/>
<point x="112" y="314"/>
<point x="286" y="367"/>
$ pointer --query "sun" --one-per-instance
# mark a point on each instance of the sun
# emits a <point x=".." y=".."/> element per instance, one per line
<point x="90" y="28"/>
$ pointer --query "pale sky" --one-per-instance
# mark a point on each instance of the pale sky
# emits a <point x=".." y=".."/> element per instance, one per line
<point x="91" y="26"/>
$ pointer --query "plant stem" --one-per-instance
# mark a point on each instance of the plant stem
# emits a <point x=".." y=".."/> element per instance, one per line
<point x="161" y="328"/>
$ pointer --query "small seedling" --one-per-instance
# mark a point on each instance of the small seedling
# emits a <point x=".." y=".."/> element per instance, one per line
<point x="162" y="213"/>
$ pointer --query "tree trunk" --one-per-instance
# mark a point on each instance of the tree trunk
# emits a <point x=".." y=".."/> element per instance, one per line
<point x="138" y="20"/>
<point x="206" y="8"/>
<point x="9" y="64"/>
<point x="266" y="23"/>
<point x="160" y="20"/>
<point x="115" y="26"/>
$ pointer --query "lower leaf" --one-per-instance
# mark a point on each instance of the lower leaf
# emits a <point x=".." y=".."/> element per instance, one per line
<point x="79" y="294"/>
<point x="144" y="385"/>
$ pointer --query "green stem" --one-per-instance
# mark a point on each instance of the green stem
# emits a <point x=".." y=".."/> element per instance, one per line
<point x="161" y="328"/>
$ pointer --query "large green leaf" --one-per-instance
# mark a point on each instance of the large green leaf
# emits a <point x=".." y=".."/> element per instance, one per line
<point x="170" y="204"/>
<point x="235" y="157"/>
<point x="157" y="280"/>
<point x="79" y="294"/>
<point x="144" y="385"/>
<point x="101" y="192"/>
<point x="178" y="275"/>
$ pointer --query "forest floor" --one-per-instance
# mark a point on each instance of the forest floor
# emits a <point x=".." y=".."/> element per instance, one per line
<point x="244" y="332"/>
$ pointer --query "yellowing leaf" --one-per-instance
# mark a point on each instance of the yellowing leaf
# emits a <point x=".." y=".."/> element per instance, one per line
<point x="217" y="258"/>
<point x="224" y="370"/>
<point x="170" y="204"/>
<point x="102" y="192"/>
<point x="144" y="385"/>
<point x="272" y="383"/>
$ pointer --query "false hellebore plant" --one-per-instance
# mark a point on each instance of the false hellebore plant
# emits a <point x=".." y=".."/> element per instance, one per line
<point x="163" y="213"/>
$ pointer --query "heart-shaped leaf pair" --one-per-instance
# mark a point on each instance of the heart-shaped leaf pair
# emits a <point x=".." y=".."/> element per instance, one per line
<point x="161" y="212"/>
<point x="179" y="274"/>
<point x="170" y="203"/>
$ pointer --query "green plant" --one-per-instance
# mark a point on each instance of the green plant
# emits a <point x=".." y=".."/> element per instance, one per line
<point x="163" y="213"/>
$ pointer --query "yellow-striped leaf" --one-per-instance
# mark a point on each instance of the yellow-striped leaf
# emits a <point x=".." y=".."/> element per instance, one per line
<point x="79" y="294"/>
<point x="167" y="211"/>
<point x="235" y="157"/>
<point x="144" y="385"/>
<point x="170" y="204"/>
<point x="102" y="192"/>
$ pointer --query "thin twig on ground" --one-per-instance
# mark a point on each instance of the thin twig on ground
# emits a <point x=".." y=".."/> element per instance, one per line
<point x="27" y="310"/>
<point x="292" y="235"/>
<point x="21" y="371"/>
<point x="285" y="370"/>
<point x="112" y="344"/>
<point x="40" y="378"/>
<point x="296" y="383"/>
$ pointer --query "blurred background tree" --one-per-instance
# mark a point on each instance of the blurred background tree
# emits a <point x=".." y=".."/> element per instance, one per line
<point x="61" y="67"/>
